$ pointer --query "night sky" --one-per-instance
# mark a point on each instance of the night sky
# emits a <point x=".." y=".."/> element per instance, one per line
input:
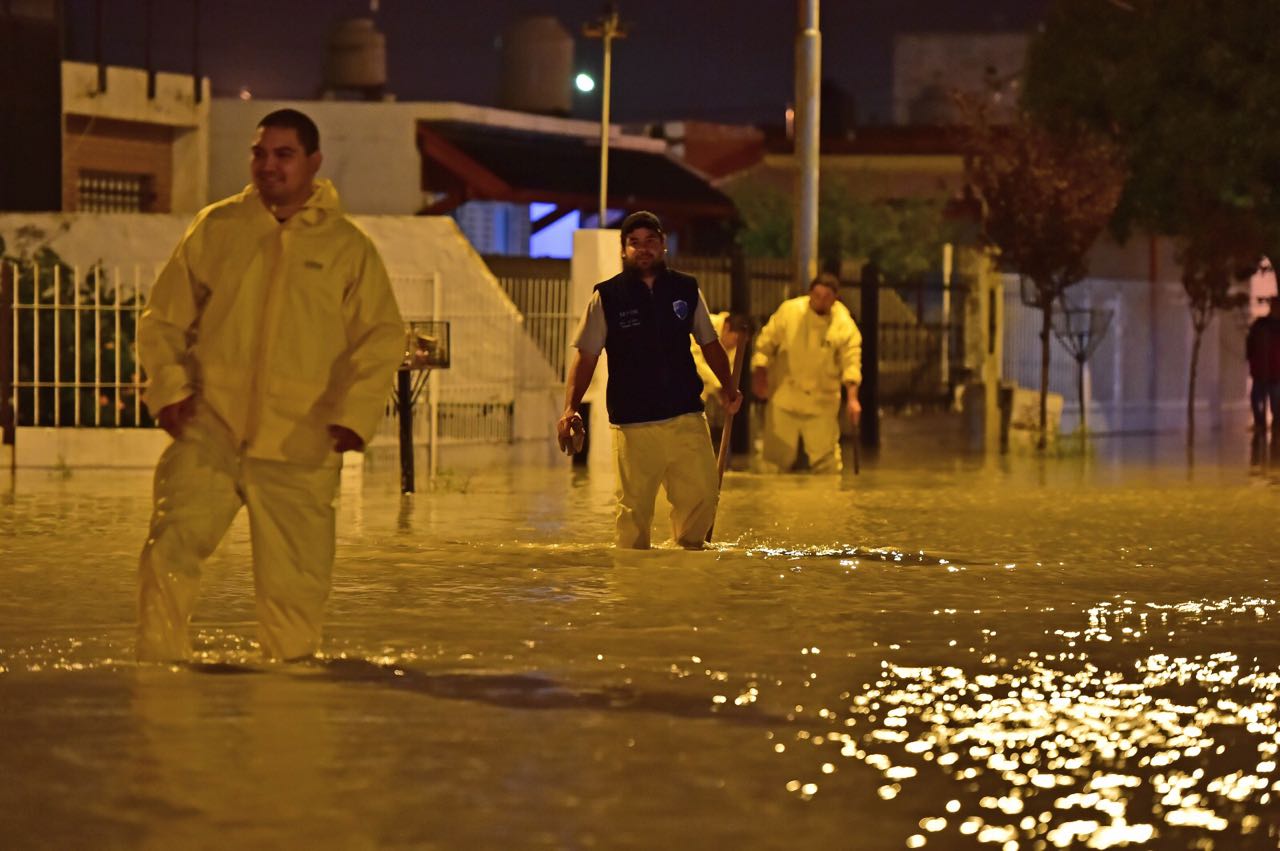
<point x="709" y="59"/>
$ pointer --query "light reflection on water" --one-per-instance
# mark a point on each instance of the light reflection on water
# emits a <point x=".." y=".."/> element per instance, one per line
<point x="929" y="658"/>
<point x="1052" y="750"/>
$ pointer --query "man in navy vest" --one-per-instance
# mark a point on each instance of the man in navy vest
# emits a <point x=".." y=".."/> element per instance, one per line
<point x="643" y="317"/>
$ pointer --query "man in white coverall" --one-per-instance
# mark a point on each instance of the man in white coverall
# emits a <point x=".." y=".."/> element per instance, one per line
<point x="809" y="347"/>
<point x="644" y="318"/>
<point x="269" y="341"/>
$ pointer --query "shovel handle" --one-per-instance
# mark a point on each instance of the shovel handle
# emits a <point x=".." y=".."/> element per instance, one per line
<point x="726" y="433"/>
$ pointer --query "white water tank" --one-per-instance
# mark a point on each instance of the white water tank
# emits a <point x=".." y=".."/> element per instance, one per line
<point x="356" y="57"/>
<point x="537" y="66"/>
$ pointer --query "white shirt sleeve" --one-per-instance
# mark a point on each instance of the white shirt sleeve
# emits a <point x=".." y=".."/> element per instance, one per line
<point x="703" y="331"/>
<point x="592" y="329"/>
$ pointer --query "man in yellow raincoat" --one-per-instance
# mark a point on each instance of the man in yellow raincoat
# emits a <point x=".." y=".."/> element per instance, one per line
<point x="269" y="340"/>
<point x="644" y="318"/>
<point x="802" y="356"/>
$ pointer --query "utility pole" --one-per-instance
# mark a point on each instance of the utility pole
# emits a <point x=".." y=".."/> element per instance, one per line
<point x="607" y="29"/>
<point x="807" y="124"/>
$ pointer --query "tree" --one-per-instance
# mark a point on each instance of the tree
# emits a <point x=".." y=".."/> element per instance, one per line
<point x="905" y="235"/>
<point x="1046" y="196"/>
<point x="1210" y="257"/>
<point x="766" y="219"/>
<point x="1190" y="92"/>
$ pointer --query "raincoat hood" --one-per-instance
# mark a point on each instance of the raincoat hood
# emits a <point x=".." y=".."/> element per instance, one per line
<point x="322" y="206"/>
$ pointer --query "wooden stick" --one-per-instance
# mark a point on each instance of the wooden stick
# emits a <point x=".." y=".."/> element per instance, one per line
<point x="726" y="433"/>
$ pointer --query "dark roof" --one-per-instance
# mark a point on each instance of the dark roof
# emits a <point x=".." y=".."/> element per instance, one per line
<point x="482" y="162"/>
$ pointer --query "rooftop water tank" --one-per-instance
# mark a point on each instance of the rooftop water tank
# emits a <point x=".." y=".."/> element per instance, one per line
<point x="537" y="66"/>
<point x="356" y="58"/>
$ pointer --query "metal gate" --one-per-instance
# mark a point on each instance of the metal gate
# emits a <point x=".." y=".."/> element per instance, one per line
<point x="921" y="328"/>
<point x="70" y="335"/>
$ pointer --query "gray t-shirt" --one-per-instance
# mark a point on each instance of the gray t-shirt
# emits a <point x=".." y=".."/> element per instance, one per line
<point x="592" y="330"/>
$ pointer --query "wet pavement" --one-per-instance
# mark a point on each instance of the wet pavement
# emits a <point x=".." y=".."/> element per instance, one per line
<point x="942" y="652"/>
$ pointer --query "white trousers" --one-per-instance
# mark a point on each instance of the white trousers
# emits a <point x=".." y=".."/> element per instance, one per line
<point x="201" y="482"/>
<point x="674" y="453"/>
<point x="783" y="431"/>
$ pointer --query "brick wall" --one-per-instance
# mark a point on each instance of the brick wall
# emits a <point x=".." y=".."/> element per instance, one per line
<point x="117" y="147"/>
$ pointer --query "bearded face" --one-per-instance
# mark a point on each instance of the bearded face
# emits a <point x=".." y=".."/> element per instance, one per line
<point x="644" y="252"/>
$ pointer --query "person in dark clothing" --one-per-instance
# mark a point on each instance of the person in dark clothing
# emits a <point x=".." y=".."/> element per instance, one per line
<point x="1262" y="348"/>
<point x="643" y="318"/>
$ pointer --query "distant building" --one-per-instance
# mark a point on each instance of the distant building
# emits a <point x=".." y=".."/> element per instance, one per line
<point x="93" y="137"/>
<point x="714" y="150"/>
<point x="133" y="144"/>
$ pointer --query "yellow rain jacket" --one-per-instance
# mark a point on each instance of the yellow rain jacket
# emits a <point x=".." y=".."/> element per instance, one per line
<point x="281" y="329"/>
<point x="809" y="356"/>
<point x="710" y="383"/>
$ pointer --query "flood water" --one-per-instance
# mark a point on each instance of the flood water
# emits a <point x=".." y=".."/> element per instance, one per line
<point x="938" y="653"/>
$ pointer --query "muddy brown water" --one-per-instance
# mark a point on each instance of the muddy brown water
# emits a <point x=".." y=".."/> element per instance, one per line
<point x="939" y="653"/>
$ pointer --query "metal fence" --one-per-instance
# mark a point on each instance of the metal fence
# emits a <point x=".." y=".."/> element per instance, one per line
<point x="473" y="401"/>
<point x="71" y="344"/>
<point x="921" y="331"/>
<point x="539" y="288"/>
<point x="70" y="357"/>
<point x="768" y="281"/>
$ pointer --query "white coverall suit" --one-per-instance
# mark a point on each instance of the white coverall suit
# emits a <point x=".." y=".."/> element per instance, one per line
<point x="278" y="330"/>
<point x="808" y="357"/>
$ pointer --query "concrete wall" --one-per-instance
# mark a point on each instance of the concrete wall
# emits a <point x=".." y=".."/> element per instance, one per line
<point x="125" y="99"/>
<point x="65" y="448"/>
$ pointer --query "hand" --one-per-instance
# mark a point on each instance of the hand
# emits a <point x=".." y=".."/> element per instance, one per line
<point x="570" y="433"/>
<point x="730" y="400"/>
<point x="855" y="408"/>
<point x="345" y="440"/>
<point x="760" y="383"/>
<point x="174" y="418"/>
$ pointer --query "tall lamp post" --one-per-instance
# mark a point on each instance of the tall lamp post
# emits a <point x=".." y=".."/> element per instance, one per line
<point x="808" y="88"/>
<point x="607" y="29"/>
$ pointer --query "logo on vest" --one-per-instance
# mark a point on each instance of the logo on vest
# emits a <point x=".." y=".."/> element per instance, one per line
<point x="681" y="307"/>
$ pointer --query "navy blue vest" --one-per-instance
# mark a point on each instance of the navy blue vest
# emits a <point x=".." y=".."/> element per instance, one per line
<point x="651" y="371"/>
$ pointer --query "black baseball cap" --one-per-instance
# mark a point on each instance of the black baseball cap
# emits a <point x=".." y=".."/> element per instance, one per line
<point x="640" y="219"/>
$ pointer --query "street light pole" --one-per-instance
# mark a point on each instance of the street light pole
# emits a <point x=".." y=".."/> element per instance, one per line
<point x="607" y="29"/>
<point x="808" y="89"/>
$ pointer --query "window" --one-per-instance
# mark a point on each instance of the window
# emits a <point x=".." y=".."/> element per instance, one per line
<point x="109" y="192"/>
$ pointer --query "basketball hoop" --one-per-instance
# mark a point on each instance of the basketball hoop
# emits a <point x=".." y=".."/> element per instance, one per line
<point x="426" y="348"/>
<point x="1080" y="330"/>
